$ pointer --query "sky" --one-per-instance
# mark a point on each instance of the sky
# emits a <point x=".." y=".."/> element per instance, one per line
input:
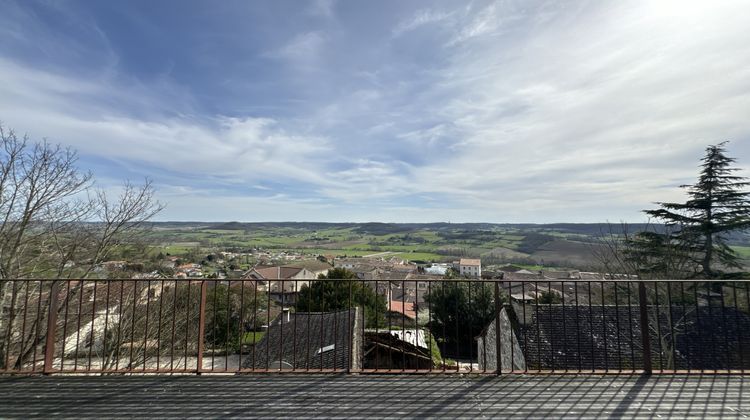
<point x="391" y="111"/>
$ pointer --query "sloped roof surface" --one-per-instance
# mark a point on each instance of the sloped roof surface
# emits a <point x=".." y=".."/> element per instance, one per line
<point x="307" y="340"/>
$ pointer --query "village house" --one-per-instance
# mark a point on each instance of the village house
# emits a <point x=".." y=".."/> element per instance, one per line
<point x="397" y="349"/>
<point x="281" y="282"/>
<point x="469" y="267"/>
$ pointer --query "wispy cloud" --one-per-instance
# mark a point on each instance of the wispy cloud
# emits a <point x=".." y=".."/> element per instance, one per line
<point x="420" y="18"/>
<point x="480" y="111"/>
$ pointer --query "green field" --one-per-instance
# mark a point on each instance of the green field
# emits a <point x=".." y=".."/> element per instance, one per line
<point x="743" y="251"/>
<point x="252" y="337"/>
<point x="564" y="245"/>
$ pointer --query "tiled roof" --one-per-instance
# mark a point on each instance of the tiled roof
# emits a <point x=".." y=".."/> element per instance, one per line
<point x="277" y="272"/>
<point x="406" y="308"/>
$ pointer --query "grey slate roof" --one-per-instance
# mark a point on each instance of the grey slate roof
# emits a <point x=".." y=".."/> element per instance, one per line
<point x="310" y="340"/>
<point x="601" y="337"/>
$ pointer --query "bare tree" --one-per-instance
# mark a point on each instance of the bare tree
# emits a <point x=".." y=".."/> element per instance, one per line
<point x="56" y="224"/>
<point x="649" y="254"/>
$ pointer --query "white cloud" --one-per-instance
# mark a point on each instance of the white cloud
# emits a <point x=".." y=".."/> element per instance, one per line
<point x="303" y="49"/>
<point x="324" y="8"/>
<point x="504" y="111"/>
<point x="419" y="19"/>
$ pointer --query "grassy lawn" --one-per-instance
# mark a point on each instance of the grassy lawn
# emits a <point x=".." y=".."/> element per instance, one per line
<point x="743" y="251"/>
<point x="422" y="256"/>
<point x="253" y="337"/>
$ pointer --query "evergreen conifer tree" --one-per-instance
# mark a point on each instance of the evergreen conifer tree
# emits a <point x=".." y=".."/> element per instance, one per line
<point x="718" y="204"/>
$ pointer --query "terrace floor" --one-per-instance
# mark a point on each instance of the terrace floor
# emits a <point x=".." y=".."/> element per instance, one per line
<point x="378" y="396"/>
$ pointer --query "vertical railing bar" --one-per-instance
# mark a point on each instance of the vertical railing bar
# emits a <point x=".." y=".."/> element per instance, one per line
<point x="617" y="327"/>
<point x="415" y="307"/>
<point x="322" y="322"/>
<point x="498" y="346"/>
<point x="49" y="347"/>
<point x="174" y="327"/>
<point x="78" y="326"/>
<point x="538" y="332"/>
<point x="445" y="330"/>
<point x="11" y="316"/>
<point x="121" y="303"/>
<point x="308" y="362"/>
<point x="255" y="318"/>
<point x="242" y="325"/>
<point x="604" y="328"/>
<point x="214" y="326"/>
<point x="201" y="326"/>
<point x="697" y="319"/>
<point x="565" y="331"/>
<point x="350" y="326"/>
<point x="710" y="315"/>
<point x="630" y="325"/>
<point x="65" y="324"/>
<point x="145" y="334"/>
<point x="269" y="289"/>
<point x="672" y="332"/>
<point x="738" y="327"/>
<point x="645" y="336"/>
<point x="458" y="349"/>
<point x="92" y="337"/>
<point x="429" y="324"/>
<point x="684" y="316"/>
<point x="482" y="353"/>
<point x="105" y="352"/>
<point x="228" y="319"/>
<point x="403" y="321"/>
<point x="552" y="336"/>
<point x="511" y="332"/>
<point x="364" y="320"/>
<point x="23" y="323"/>
<point x="377" y="324"/>
<point x="471" y="333"/>
<point x="390" y="326"/>
<point x="38" y="330"/>
<point x="747" y="298"/>
<point x="188" y="307"/>
<point x="158" y="326"/>
<point x="657" y="321"/>
<point x="525" y="334"/>
<point x="132" y="325"/>
<point x="726" y="331"/>
<point x="578" y="328"/>
<point x="335" y="333"/>
<point x="591" y="327"/>
<point x="281" y="326"/>
<point x="294" y="335"/>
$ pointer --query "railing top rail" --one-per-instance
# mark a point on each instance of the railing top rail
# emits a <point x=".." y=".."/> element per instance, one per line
<point x="542" y="280"/>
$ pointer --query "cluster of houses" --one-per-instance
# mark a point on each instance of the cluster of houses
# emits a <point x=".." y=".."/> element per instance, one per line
<point x="564" y="332"/>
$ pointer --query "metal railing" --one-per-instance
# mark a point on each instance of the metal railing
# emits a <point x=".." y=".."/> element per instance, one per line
<point x="397" y="326"/>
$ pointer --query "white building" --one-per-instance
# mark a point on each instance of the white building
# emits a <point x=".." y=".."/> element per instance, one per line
<point x="470" y="267"/>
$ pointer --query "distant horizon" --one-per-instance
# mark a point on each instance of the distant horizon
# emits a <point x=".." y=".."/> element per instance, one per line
<point x="401" y="223"/>
<point x="456" y="110"/>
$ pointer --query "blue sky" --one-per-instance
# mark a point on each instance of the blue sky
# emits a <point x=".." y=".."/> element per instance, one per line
<point x="462" y="111"/>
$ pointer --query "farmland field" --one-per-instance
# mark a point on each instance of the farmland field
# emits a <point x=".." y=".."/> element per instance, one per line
<point x="561" y="245"/>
